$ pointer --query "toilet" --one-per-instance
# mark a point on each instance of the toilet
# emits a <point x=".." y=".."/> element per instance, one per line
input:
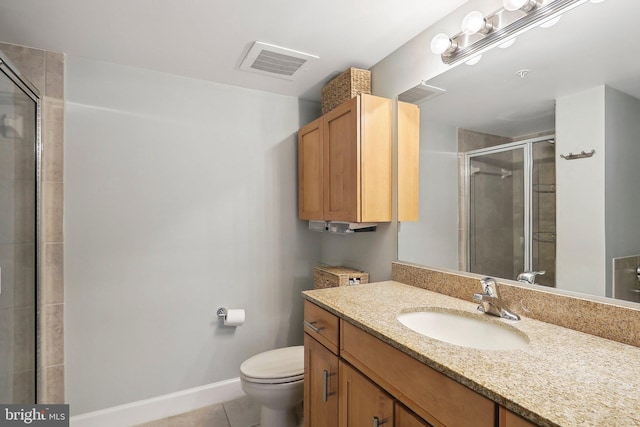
<point x="275" y="380"/>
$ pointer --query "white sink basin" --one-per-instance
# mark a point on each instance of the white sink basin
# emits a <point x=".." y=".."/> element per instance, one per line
<point x="464" y="329"/>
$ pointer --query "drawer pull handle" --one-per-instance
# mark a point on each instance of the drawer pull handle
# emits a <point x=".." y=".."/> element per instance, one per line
<point x="377" y="422"/>
<point x="325" y="385"/>
<point x="311" y="326"/>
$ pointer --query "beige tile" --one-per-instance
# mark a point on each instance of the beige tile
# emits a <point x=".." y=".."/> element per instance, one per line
<point x="54" y="75"/>
<point x="163" y="422"/>
<point x="51" y="335"/>
<point x="23" y="338"/>
<point x="53" y="141"/>
<point x="51" y="384"/>
<point x="242" y="412"/>
<point x="213" y="416"/>
<point x="23" y="275"/>
<point x="24" y="384"/>
<point x="210" y="416"/>
<point x="30" y="62"/>
<point x="24" y="208"/>
<point x="52" y="275"/>
<point x="6" y="344"/>
<point x="52" y="206"/>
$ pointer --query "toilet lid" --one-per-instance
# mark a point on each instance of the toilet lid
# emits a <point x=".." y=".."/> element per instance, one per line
<point x="275" y="366"/>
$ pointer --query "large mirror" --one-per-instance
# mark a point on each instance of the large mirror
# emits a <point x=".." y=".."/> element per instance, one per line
<point x="504" y="185"/>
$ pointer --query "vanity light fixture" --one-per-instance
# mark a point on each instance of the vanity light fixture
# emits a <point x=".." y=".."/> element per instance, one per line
<point x="481" y="33"/>
<point x="441" y="44"/>
<point x="523" y="5"/>
<point x="551" y="22"/>
<point x="474" y="60"/>
<point x="474" y="22"/>
<point x="507" y="44"/>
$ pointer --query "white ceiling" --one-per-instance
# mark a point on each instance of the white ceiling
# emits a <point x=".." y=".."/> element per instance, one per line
<point x="592" y="45"/>
<point x="207" y="39"/>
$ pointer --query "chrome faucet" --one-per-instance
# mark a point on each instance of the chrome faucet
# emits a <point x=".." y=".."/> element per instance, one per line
<point x="529" y="276"/>
<point x="490" y="301"/>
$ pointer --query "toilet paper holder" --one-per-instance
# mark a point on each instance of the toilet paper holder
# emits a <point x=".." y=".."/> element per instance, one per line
<point x="222" y="312"/>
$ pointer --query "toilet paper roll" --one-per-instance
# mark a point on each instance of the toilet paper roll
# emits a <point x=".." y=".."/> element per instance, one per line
<point x="234" y="317"/>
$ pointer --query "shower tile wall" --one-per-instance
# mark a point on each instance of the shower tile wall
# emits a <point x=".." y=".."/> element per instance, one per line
<point x="543" y="199"/>
<point x="45" y="70"/>
<point x="468" y="141"/>
<point x="544" y="213"/>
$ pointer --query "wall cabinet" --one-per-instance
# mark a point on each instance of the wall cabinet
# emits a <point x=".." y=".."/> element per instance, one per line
<point x="344" y="163"/>
<point x="408" y="161"/>
<point x="379" y="385"/>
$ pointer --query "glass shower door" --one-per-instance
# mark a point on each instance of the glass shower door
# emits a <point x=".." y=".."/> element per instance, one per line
<point x="497" y="205"/>
<point x="18" y="170"/>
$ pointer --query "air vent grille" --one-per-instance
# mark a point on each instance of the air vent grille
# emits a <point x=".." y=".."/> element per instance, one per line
<point x="278" y="63"/>
<point x="420" y="93"/>
<point x="275" y="61"/>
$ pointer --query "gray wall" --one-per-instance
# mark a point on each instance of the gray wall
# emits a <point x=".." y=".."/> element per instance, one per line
<point x="180" y="198"/>
<point x="433" y="240"/>
<point x="580" y="207"/>
<point x="622" y="175"/>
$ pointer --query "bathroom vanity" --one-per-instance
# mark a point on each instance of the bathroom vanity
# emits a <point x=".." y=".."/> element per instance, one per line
<point x="363" y="367"/>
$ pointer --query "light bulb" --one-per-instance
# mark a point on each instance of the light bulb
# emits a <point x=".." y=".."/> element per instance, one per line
<point x="441" y="44"/>
<point x="523" y="5"/>
<point x="474" y="22"/>
<point x="507" y="44"/>
<point x="474" y="60"/>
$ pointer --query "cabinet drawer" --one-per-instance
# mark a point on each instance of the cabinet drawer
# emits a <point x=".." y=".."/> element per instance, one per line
<point x="322" y="326"/>
<point x="433" y="396"/>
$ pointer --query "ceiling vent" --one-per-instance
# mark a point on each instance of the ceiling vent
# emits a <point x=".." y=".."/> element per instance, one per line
<point x="420" y="93"/>
<point x="276" y="61"/>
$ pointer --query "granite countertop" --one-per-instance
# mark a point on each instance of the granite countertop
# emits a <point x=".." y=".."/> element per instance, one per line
<point x="562" y="378"/>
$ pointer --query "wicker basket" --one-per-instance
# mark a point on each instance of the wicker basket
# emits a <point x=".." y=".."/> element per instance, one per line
<point x="325" y="276"/>
<point x="347" y="85"/>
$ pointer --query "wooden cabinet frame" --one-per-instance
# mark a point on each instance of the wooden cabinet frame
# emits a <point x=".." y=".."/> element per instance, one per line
<point x="352" y="180"/>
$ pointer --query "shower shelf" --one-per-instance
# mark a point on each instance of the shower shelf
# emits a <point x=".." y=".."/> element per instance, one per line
<point x="544" y="188"/>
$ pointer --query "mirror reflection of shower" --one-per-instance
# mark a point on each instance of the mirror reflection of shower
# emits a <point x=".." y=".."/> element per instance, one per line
<point x="508" y="214"/>
<point x="19" y="172"/>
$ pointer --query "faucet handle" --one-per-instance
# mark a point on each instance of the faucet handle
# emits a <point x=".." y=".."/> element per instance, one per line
<point x="529" y="276"/>
<point x="489" y="286"/>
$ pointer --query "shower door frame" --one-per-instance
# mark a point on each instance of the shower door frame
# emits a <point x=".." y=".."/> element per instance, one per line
<point x="527" y="147"/>
<point x="22" y="83"/>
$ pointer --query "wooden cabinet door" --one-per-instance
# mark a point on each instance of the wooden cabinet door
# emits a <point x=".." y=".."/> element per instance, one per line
<point x="406" y="418"/>
<point x="320" y="385"/>
<point x="509" y="419"/>
<point x="361" y="401"/>
<point x="342" y="163"/>
<point x="310" y="171"/>
<point x="408" y="161"/>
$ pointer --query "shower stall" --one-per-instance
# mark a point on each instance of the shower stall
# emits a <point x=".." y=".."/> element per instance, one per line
<point x="510" y="206"/>
<point x="19" y="190"/>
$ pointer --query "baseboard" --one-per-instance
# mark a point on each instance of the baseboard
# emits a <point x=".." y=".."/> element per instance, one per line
<point x="159" y="407"/>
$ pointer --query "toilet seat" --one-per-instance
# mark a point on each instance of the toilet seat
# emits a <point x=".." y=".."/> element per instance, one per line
<point x="282" y="365"/>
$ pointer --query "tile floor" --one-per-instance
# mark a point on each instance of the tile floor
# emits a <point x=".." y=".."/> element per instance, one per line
<point x="242" y="412"/>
